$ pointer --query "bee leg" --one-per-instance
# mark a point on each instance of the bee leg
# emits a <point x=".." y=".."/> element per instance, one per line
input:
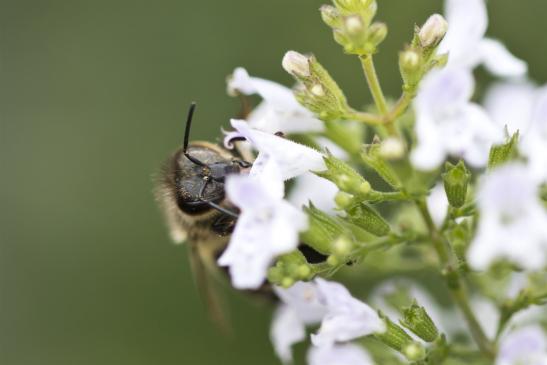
<point x="212" y="204"/>
<point x="243" y="164"/>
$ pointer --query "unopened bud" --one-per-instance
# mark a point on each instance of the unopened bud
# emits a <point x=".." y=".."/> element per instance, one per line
<point x="416" y="319"/>
<point x="433" y="31"/>
<point x="343" y="200"/>
<point x="377" y="33"/>
<point x="332" y="260"/>
<point x="414" y="351"/>
<point x="392" y="148"/>
<point x="296" y="64"/>
<point x="456" y="178"/>
<point x="353" y="24"/>
<point x="342" y="247"/>
<point x="369" y="219"/>
<point x="287" y="282"/>
<point x="317" y="90"/>
<point x="409" y="60"/>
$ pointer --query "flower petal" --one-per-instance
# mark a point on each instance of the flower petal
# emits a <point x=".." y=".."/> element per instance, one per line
<point x="511" y="104"/>
<point x="347" y="318"/>
<point x="527" y="345"/>
<point x="304" y="298"/>
<point x="293" y="158"/>
<point x="286" y="330"/>
<point x="347" y="354"/>
<point x="467" y="23"/>
<point x="499" y="61"/>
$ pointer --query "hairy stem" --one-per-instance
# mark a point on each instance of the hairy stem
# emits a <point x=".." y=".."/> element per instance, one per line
<point x="455" y="283"/>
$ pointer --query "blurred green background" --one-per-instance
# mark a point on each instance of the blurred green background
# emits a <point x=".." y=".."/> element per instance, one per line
<point x="93" y="98"/>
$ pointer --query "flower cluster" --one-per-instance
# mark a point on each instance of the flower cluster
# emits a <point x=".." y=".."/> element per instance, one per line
<point x="443" y="183"/>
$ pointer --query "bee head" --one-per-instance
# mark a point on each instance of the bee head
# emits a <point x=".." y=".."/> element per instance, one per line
<point x="200" y="170"/>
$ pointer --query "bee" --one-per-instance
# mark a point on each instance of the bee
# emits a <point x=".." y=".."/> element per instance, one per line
<point x="192" y="195"/>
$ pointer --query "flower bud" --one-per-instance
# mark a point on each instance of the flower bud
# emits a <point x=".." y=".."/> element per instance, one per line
<point x="353" y="24"/>
<point x="394" y="336"/>
<point x="342" y="247"/>
<point x="370" y="220"/>
<point x="322" y="231"/>
<point x="416" y="319"/>
<point x="343" y="200"/>
<point x="296" y="64"/>
<point x="433" y="31"/>
<point x="414" y="351"/>
<point x="392" y="148"/>
<point x="411" y="68"/>
<point x="377" y="33"/>
<point x="344" y="176"/>
<point x="372" y="157"/>
<point x="290" y="268"/>
<point x="456" y="178"/>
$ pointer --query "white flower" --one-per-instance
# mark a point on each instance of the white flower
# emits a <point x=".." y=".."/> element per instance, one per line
<point x="347" y="354"/>
<point x="279" y="110"/>
<point x="347" y="318"/>
<point x="523" y="107"/>
<point x="513" y="223"/>
<point x="293" y="158"/>
<point x="447" y="123"/>
<point x="467" y="46"/>
<point x="525" y="346"/>
<point x="310" y="187"/>
<point x="267" y="227"/>
<point x="301" y="307"/>
<point x="342" y="317"/>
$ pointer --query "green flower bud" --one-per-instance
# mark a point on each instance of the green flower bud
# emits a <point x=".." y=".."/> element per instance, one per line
<point x="317" y="91"/>
<point x="414" y="352"/>
<point x="456" y="178"/>
<point x="411" y="68"/>
<point x="392" y="148"/>
<point x="372" y="156"/>
<point x="502" y="153"/>
<point x="343" y="200"/>
<point x="369" y="219"/>
<point x="416" y="319"/>
<point x="344" y="176"/>
<point x="394" y="336"/>
<point x="290" y="268"/>
<point x="342" y="247"/>
<point x="322" y="231"/>
<point x="433" y="31"/>
<point x="377" y="33"/>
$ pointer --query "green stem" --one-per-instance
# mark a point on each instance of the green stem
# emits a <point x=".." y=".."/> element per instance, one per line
<point x="366" y="118"/>
<point x="401" y="106"/>
<point x="374" y="84"/>
<point x="455" y="283"/>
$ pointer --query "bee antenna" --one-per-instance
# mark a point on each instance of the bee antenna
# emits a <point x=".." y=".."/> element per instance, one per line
<point x="188" y="126"/>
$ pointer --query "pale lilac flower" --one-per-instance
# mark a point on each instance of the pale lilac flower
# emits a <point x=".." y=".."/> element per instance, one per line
<point x="468" y="47"/>
<point x="513" y="222"/>
<point x="525" y="346"/>
<point x="448" y="123"/>
<point x="293" y="158"/>
<point x="267" y="227"/>
<point x="301" y="307"/>
<point x="279" y="110"/>
<point x="309" y="187"/>
<point x="522" y="106"/>
<point x="347" y="318"/>
<point x="342" y="317"/>
<point x="346" y="354"/>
